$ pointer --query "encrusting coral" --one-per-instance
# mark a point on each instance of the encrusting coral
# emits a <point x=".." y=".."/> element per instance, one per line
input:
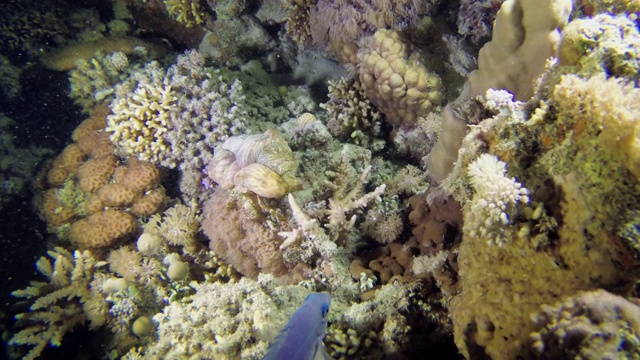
<point x="589" y="325"/>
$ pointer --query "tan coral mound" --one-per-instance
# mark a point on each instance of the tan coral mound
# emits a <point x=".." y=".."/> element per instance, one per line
<point x="103" y="229"/>
<point x="91" y="194"/>
<point x="399" y="85"/>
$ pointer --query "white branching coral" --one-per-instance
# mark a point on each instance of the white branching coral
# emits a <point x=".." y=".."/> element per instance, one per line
<point x="57" y="304"/>
<point x="343" y="203"/>
<point x="318" y="235"/>
<point x="140" y="119"/>
<point x="494" y="202"/>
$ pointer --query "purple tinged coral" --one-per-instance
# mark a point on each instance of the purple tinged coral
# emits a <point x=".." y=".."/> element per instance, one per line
<point x="475" y="19"/>
<point x="208" y="111"/>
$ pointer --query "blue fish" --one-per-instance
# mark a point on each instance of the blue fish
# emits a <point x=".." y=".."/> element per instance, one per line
<point x="301" y="338"/>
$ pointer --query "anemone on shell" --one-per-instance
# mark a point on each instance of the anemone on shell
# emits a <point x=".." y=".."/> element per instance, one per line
<point x="259" y="163"/>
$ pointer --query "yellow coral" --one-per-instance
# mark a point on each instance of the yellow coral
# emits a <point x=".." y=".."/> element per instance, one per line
<point x="188" y="12"/>
<point x="400" y="87"/>
<point x="58" y="303"/>
<point x="139" y="121"/>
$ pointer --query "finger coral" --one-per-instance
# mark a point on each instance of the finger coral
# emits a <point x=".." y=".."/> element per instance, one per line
<point x="526" y="33"/>
<point x="397" y="84"/>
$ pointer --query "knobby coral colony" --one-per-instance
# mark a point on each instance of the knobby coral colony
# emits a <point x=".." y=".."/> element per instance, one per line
<point x="501" y="213"/>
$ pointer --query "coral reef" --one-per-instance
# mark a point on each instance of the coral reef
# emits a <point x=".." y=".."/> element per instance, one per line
<point x="140" y="120"/>
<point x="66" y="58"/>
<point x="178" y="225"/>
<point x="242" y="311"/>
<point x="247" y="237"/>
<point x="566" y="232"/>
<point x="348" y="21"/>
<point x="475" y="18"/>
<point x="525" y="35"/>
<point x="352" y="116"/>
<point x="188" y="12"/>
<point x="487" y="228"/>
<point x="92" y="81"/>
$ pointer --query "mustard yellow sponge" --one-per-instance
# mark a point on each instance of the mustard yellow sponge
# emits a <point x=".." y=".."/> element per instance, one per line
<point x="398" y="84"/>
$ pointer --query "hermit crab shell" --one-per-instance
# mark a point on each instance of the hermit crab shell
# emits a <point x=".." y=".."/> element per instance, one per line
<point x="261" y="180"/>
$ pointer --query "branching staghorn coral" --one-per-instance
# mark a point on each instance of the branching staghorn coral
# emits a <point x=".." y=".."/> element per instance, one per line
<point x="60" y="304"/>
<point x="140" y="120"/>
<point x="318" y="239"/>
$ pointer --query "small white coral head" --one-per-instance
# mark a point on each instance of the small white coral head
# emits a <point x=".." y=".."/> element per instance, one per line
<point x="178" y="270"/>
<point x="149" y="243"/>
<point x="142" y="326"/>
<point x="261" y="180"/>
